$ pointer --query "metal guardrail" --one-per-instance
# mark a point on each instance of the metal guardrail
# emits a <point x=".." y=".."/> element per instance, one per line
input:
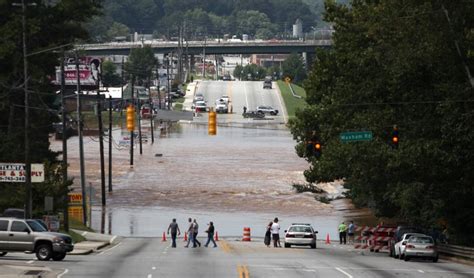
<point x="293" y="92"/>
<point x="456" y="250"/>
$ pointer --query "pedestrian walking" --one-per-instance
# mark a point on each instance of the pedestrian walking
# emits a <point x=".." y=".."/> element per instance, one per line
<point x="196" y="228"/>
<point x="210" y="235"/>
<point x="245" y="109"/>
<point x="268" y="235"/>
<point x="173" y="227"/>
<point x="350" y="232"/>
<point x="275" y="229"/>
<point x="342" y="233"/>
<point x="190" y="233"/>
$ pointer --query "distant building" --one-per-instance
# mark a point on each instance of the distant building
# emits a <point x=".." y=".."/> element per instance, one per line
<point x="298" y="29"/>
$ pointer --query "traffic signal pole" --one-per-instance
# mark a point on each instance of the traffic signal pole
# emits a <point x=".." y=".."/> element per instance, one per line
<point x="132" y="127"/>
<point x="81" y="143"/>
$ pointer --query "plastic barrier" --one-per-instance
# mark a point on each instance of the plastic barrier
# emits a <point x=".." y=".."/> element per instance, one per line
<point x="246" y="236"/>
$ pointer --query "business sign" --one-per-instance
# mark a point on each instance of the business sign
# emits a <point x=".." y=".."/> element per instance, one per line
<point x="75" y="199"/>
<point x="356" y="136"/>
<point x="15" y="172"/>
<point x="88" y="72"/>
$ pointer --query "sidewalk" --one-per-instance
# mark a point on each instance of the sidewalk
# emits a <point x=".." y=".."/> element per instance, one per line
<point x="93" y="242"/>
<point x="12" y="269"/>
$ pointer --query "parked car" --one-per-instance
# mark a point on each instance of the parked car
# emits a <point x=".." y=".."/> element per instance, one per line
<point x="398" y="234"/>
<point x="200" y="106"/>
<point x="267" y="84"/>
<point x="222" y="108"/>
<point x="400" y="246"/>
<point x="267" y="110"/>
<point x="225" y="98"/>
<point x="420" y="247"/>
<point x="198" y="97"/>
<point x="14" y="212"/>
<point x="300" y="234"/>
<point x="20" y="235"/>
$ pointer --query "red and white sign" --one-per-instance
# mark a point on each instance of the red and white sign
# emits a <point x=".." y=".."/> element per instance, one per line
<point x="15" y="172"/>
<point x="88" y="72"/>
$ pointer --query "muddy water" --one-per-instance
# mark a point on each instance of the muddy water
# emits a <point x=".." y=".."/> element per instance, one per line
<point x="241" y="177"/>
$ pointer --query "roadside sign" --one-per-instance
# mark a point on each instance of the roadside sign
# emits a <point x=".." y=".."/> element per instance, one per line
<point x="15" y="172"/>
<point x="75" y="199"/>
<point x="356" y="136"/>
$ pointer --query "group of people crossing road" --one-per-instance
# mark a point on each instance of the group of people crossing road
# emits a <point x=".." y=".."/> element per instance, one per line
<point x="192" y="232"/>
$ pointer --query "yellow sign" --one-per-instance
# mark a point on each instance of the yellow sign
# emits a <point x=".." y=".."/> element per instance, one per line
<point x="287" y="80"/>
<point x="75" y="213"/>
<point x="75" y="199"/>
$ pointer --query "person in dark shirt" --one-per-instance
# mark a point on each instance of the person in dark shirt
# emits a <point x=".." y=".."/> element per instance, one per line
<point x="173" y="227"/>
<point x="210" y="235"/>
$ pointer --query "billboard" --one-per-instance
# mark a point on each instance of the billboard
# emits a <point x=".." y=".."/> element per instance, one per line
<point x="89" y="69"/>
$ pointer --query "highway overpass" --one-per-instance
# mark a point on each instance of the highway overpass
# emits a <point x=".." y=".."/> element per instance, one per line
<point x="211" y="47"/>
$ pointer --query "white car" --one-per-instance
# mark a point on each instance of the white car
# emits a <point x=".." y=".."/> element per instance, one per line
<point x="225" y="98"/>
<point x="200" y="106"/>
<point x="300" y="234"/>
<point x="267" y="110"/>
<point x="399" y="247"/>
<point x="222" y="108"/>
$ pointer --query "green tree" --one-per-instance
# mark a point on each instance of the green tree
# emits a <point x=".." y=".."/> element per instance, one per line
<point x="141" y="63"/>
<point x="294" y="68"/>
<point x="396" y="63"/>
<point x="110" y="78"/>
<point x="48" y="26"/>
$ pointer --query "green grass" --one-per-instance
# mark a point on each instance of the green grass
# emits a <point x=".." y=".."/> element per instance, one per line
<point x="178" y="104"/>
<point x="90" y="118"/>
<point x="77" y="225"/>
<point x="292" y="103"/>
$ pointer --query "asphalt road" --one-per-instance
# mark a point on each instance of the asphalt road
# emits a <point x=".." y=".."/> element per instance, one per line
<point x="242" y="93"/>
<point x="150" y="257"/>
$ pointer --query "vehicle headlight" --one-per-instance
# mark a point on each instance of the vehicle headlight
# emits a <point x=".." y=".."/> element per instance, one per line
<point x="58" y="240"/>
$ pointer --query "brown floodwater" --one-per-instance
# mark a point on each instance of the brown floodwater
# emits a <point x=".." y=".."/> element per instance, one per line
<point x="240" y="177"/>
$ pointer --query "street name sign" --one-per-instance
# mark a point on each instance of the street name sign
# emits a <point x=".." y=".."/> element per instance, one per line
<point x="356" y="136"/>
<point x="15" y="172"/>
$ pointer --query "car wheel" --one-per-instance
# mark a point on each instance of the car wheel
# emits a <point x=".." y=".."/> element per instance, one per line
<point x="44" y="252"/>
<point x="59" y="256"/>
<point x="2" y="254"/>
<point x="435" y="259"/>
<point x="287" y="245"/>
<point x="313" y="246"/>
<point x="406" y="258"/>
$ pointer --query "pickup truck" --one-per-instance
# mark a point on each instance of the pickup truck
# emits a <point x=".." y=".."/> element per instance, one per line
<point x="29" y="236"/>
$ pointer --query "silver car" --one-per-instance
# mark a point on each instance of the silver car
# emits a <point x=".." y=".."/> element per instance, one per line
<point x="300" y="234"/>
<point x="400" y="246"/>
<point x="421" y="247"/>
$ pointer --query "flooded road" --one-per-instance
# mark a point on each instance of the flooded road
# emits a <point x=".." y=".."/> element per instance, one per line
<point x="241" y="177"/>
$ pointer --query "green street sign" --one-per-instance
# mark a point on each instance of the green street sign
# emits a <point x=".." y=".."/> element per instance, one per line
<point x="356" y="136"/>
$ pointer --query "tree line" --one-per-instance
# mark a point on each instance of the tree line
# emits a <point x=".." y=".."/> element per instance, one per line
<point x="403" y="64"/>
<point x="262" y="19"/>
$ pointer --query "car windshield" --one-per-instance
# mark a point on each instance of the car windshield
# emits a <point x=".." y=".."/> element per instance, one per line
<point x="35" y="226"/>
<point x="300" y="229"/>
<point x="420" y="240"/>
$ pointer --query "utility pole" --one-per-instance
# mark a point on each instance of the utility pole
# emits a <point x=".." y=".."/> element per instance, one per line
<point x="158" y="85"/>
<point x="28" y="189"/>
<point x="131" y="132"/>
<point x="138" y="110"/>
<point x="204" y="58"/>
<point x="64" y="139"/>
<point x="121" y="92"/>
<point x="101" y="144"/>
<point x="168" y="81"/>
<point x="81" y="143"/>
<point x="151" y="111"/>
<point x="110" y="143"/>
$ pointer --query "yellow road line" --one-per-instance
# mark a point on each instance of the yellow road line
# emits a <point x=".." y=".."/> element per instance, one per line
<point x="225" y="246"/>
<point x="243" y="271"/>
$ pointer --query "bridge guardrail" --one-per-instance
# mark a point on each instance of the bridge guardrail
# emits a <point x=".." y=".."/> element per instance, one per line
<point x="456" y="250"/>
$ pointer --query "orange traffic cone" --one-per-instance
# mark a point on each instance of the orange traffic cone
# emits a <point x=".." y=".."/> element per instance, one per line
<point x="216" y="237"/>
<point x="328" y="241"/>
<point x="164" y="237"/>
<point x="185" y="236"/>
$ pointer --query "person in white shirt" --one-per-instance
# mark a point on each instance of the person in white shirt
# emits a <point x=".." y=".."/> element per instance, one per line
<point x="275" y="229"/>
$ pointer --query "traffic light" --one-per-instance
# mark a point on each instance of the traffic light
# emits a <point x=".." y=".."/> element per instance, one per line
<point x="130" y="118"/>
<point x="313" y="148"/>
<point x="395" y="138"/>
<point x="317" y="149"/>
